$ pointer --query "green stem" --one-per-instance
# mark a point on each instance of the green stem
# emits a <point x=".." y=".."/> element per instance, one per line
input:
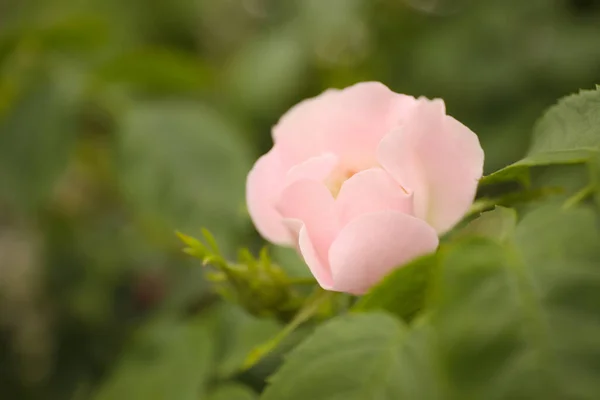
<point x="311" y="307"/>
<point x="302" y="281"/>
<point x="578" y="197"/>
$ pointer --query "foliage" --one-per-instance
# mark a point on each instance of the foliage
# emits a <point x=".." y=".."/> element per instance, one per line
<point x="504" y="307"/>
<point x="123" y="121"/>
<point x="566" y="134"/>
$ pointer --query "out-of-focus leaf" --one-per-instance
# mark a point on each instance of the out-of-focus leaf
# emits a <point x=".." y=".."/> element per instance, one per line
<point x="511" y="199"/>
<point x="498" y="224"/>
<point x="267" y="73"/>
<point x="521" y="320"/>
<point x="167" y="360"/>
<point x="595" y="179"/>
<point x="570" y="178"/>
<point x="335" y="30"/>
<point x="183" y="166"/>
<point x="240" y="333"/>
<point x="157" y="70"/>
<point x="310" y="309"/>
<point x="75" y="33"/>
<point x="232" y="392"/>
<point x="404" y="291"/>
<point x="37" y="132"/>
<point x="568" y="133"/>
<point x="362" y="356"/>
<point x="290" y="261"/>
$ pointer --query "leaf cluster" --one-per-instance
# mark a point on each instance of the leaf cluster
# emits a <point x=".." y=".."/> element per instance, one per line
<point x="508" y="308"/>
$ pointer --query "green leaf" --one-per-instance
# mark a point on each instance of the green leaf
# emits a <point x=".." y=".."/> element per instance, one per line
<point x="290" y="261"/>
<point x="167" y="360"/>
<point x="521" y="320"/>
<point x="335" y="30"/>
<point x="519" y="171"/>
<point x="311" y="307"/>
<point x="191" y="241"/>
<point x="157" y="70"/>
<point x="76" y="32"/>
<point x="511" y="199"/>
<point x="571" y="179"/>
<point x="572" y="124"/>
<point x="568" y="133"/>
<point x="210" y="241"/>
<point x="232" y="392"/>
<point x="241" y="333"/>
<point x="353" y="357"/>
<point x="595" y="179"/>
<point x="267" y="72"/>
<point x="37" y="134"/>
<point x="404" y="291"/>
<point x="498" y="224"/>
<point x="183" y="166"/>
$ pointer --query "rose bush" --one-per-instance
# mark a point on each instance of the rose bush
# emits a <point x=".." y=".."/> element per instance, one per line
<point x="362" y="180"/>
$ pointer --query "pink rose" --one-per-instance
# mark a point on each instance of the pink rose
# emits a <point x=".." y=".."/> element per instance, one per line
<point x="362" y="180"/>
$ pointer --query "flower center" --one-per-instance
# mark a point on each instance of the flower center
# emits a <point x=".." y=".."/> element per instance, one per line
<point x="336" y="179"/>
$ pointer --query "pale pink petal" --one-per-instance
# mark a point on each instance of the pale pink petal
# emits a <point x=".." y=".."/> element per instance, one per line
<point x="303" y="112"/>
<point x="369" y="191"/>
<point x="306" y="249"/>
<point x="263" y="186"/>
<point x="311" y="203"/>
<point x="372" y="245"/>
<point x="438" y="159"/>
<point x="349" y="123"/>
<point x="315" y="262"/>
<point x="315" y="168"/>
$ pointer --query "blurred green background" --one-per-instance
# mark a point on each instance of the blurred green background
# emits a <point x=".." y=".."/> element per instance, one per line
<point x="121" y="121"/>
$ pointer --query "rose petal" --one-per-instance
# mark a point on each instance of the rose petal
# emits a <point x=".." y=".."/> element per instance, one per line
<point x="306" y="249"/>
<point x="265" y="183"/>
<point x="369" y="191"/>
<point x="315" y="168"/>
<point x="372" y="245"/>
<point x="439" y="159"/>
<point x="303" y="112"/>
<point x="321" y="271"/>
<point x="349" y="123"/>
<point x="263" y="186"/>
<point x="311" y="203"/>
